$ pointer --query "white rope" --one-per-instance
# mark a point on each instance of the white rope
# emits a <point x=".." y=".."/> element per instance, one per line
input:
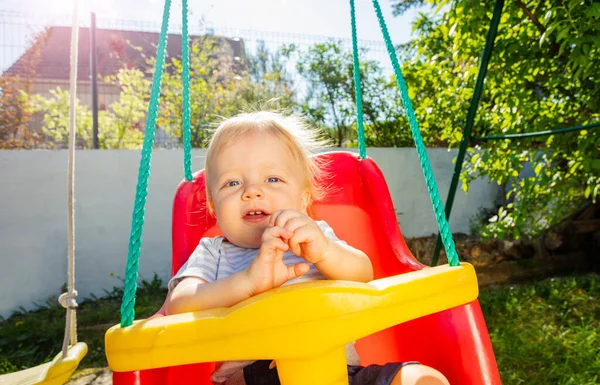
<point x="67" y="300"/>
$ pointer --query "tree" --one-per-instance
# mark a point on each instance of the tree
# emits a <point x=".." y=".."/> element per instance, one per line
<point x="14" y="116"/>
<point x="120" y="126"/>
<point x="268" y="78"/>
<point x="123" y="123"/>
<point x="542" y="75"/>
<point x="14" y="101"/>
<point x="330" y="97"/>
<point x="324" y="66"/>
<point x="220" y="86"/>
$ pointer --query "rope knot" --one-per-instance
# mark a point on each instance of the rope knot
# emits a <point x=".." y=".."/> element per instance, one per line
<point x="67" y="300"/>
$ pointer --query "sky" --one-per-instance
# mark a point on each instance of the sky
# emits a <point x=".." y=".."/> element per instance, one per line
<point x="329" y="18"/>
<point x="314" y="17"/>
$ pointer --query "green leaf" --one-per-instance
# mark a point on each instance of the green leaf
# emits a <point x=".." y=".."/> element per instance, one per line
<point x="547" y="17"/>
<point x="587" y="192"/>
<point x="538" y="168"/>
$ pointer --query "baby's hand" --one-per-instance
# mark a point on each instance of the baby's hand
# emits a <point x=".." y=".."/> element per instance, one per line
<point x="268" y="271"/>
<point x="307" y="241"/>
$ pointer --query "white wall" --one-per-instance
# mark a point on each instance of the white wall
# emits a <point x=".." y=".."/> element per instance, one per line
<point x="33" y="214"/>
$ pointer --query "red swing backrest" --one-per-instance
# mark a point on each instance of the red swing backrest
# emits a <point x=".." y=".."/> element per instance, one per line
<point x="360" y="210"/>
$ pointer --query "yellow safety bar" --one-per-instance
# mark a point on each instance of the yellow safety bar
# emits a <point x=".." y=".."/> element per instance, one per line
<point x="304" y="327"/>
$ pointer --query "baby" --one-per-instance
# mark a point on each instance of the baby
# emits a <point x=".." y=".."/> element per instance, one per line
<point x="260" y="182"/>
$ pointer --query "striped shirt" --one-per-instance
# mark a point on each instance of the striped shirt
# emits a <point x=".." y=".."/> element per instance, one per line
<point x="215" y="258"/>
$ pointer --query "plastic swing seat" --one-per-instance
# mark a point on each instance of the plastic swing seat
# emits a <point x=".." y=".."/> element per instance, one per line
<point x="55" y="372"/>
<point x="410" y="312"/>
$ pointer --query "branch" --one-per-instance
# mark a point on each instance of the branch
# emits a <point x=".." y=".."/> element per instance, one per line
<point x="531" y="16"/>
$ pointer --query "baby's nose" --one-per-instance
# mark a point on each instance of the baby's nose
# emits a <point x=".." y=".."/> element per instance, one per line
<point x="253" y="191"/>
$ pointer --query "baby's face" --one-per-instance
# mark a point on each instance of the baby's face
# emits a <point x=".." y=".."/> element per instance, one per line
<point x="253" y="179"/>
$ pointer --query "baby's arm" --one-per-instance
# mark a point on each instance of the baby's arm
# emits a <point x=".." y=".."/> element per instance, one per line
<point x="195" y="294"/>
<point x="267" y="271"/>
<point x="344" y="262"/>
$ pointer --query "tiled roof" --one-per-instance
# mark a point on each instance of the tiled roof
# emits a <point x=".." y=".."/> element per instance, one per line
<point x="115" y="50"/>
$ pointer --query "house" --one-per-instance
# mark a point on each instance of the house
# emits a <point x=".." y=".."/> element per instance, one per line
<point x="47" y="61"/>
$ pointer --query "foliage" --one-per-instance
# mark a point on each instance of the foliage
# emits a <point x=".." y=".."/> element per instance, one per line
<point x="14" y="116"/>
<point x="220" y="85"/>
<point x="330" y="97"/>
<point x="124" y="120"/>
<point x="546" y="332"/>
<point x="30" y="338"/>
<point x="542" y="75"/>
<point x="325" y="67"/>
<point x="118" y="127"/>
<point x="268" y="78"/>
<point x="14" y="101"/>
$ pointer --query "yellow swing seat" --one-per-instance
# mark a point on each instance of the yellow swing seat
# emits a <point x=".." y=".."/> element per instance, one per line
<point x="55" y="372"/>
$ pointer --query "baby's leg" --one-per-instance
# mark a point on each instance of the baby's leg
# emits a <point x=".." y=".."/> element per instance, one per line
<point x="407" y="373"/>
<point x="417" y="374"/>
<point x="394" y="373"/>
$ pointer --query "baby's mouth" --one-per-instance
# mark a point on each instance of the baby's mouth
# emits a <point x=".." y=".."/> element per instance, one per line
<point x="255" y="216"/>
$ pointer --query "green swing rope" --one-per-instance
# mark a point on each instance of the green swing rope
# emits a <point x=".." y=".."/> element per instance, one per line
<point x="362" y="148"/>
<point x="187" y="134"/>
<point x="137" y="223"/>
<point x="432" y="188"/>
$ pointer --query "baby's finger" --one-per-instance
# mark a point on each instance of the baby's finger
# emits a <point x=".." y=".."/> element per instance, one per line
<point x="272" y="250"/>
<point x="276" y="244"/>
<point x="285" y="216"/>
<point x="297" y="270"/>
<point x="301" y="235"/>
<point x="274" y="217"/>
<point x="296" y="222"/>
<point x="280" y="245"/>
<point x="276" y="232"/>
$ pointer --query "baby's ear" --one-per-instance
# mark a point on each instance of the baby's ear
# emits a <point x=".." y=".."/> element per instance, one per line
<point x="305" y="199"/>
<point x="210" y="206"/>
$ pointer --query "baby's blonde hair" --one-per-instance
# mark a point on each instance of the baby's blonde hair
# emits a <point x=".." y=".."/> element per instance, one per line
<point x="301" y="139"/>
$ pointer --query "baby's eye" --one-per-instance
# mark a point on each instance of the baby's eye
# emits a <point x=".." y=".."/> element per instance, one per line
<point x="233" y="183"/>
<point x="273" y="179"/>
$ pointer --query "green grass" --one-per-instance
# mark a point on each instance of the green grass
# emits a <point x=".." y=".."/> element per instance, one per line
<point x="31" y="338"/>
<point x="545" y="332"/>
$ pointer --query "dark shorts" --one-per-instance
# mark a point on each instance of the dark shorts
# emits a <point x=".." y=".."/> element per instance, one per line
<point x="259" y="373"/>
